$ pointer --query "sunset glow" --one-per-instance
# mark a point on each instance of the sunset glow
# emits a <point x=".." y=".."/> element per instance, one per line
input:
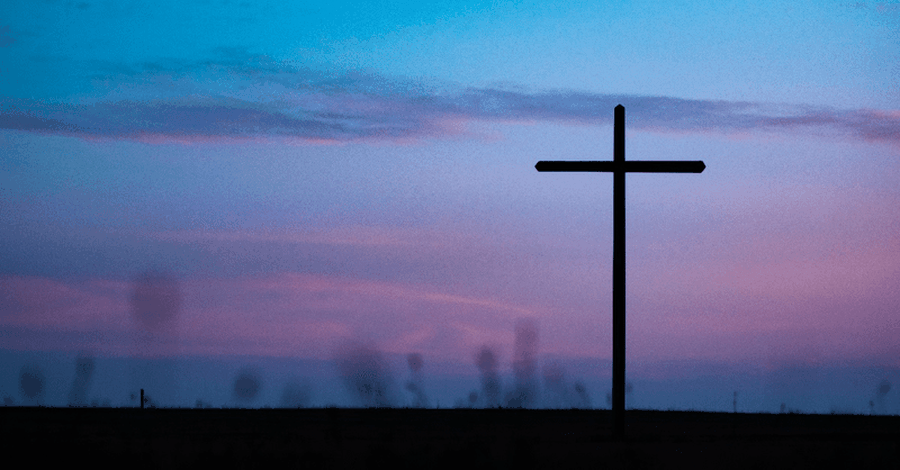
<point x="308" y="177"/>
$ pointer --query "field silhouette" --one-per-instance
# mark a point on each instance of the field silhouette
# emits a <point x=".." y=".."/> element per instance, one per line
<point x="444" y="438"/>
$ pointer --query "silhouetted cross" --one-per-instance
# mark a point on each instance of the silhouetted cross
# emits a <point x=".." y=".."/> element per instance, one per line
<point x="618" y="167"/>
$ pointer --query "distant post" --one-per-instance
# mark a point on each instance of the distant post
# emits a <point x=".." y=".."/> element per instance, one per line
<point x="618" y="167"/>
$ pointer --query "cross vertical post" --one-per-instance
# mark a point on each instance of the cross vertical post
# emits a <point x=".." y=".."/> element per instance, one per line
<point x="618" y="167"/>
<point x="618" y="375"/>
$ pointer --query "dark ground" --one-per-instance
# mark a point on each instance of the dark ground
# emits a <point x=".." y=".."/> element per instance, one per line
<point x="447" y="438"/>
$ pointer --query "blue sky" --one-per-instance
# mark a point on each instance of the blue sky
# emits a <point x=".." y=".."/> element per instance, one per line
<point x="315" y="174"/>
<point x="818" y="53"/>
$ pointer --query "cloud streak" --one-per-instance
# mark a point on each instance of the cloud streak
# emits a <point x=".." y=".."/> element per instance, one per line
<point x="240" y="97"/>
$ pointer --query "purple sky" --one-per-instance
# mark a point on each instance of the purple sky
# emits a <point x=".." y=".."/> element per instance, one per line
<point x="311" y="176"/>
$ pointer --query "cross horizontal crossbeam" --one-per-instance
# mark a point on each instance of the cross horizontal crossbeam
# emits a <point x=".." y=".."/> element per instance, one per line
<point x="631" y="166"/>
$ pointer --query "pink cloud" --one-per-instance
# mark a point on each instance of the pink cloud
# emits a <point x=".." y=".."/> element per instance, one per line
<point x="280" y="315"/>
<point x="35" y="301"/>
<point x="783" y="308"/>
<point x="822" y="269"/>
<point x="347" y="235"/>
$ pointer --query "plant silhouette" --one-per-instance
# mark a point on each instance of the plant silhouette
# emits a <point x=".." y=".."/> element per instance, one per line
<point x="486" y="360"/>
<point x="31" y="383"/>
<point x="247" y="385"/>
<point x="416" y="384"/>
<point x="84" y="372"/>
<point x="366" y="375"/>
<point x="524" y="392"/>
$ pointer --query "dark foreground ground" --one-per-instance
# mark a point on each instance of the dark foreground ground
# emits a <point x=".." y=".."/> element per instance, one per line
<point x="408" y="438"/>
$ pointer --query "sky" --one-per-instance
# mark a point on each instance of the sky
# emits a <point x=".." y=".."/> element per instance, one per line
<point x="351" y="186"/>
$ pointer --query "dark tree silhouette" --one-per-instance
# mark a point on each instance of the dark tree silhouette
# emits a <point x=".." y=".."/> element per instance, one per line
<point x="881" y="391"/>
<point x="247" y="385"/>
<point x="416" y="385"/>
<point x="524" y="393"/>
<point x="486" y="361"/>
<point x="366" y="375"/>
<point x="415" y="362"/>
<point x="583" y="398"/>
<point x="84" y="371"/>
<point x="31" y="383"/>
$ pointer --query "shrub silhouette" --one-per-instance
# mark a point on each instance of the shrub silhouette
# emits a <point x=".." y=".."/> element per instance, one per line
<point x="366" y="375"/>
<point x="486" y="361"/>
<point x="524" y="392"/>
<point x="415" y="385"/>
<point x="31" y="383"/>
<point x="247" y="385"/>
<point x="84" y="371"/>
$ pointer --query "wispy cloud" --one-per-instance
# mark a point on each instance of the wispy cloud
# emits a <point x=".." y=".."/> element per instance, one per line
<point x="278" y="314"/>
<point x="238" y="96"/>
